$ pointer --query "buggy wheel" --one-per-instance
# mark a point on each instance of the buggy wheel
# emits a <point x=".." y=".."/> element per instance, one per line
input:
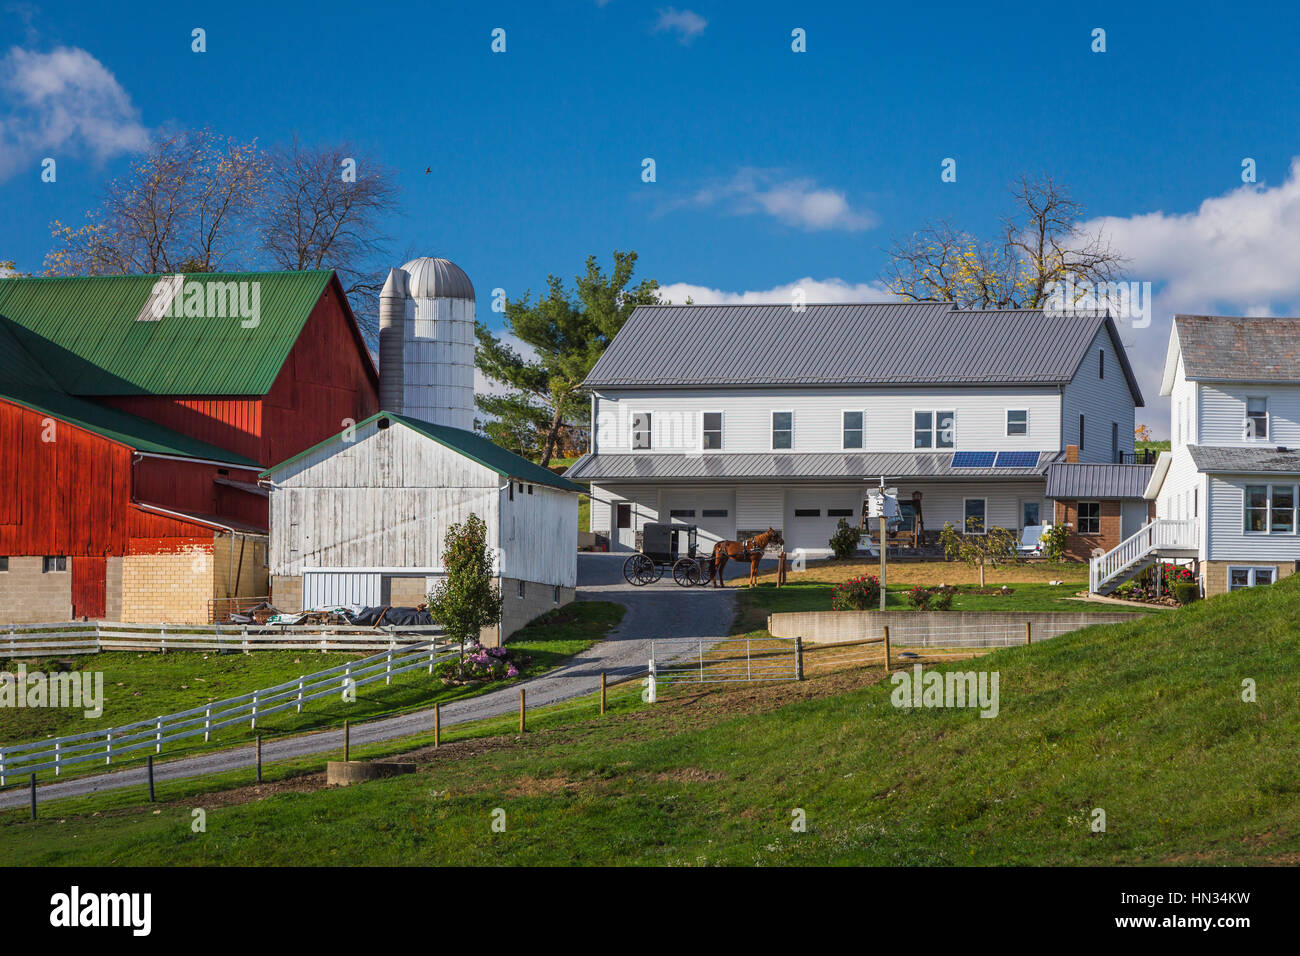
<point x="686" y="572"/>
<point x="653" y="572"/>
<point x="638" y="569"/>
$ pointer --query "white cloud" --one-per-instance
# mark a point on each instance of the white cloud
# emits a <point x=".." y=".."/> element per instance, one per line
<point x="1236" y="254"/>
<point x="814" y="290"/>
<point x="687" y="24"/>
<point x="63" y="100"/>
<point x="797" y="201"/>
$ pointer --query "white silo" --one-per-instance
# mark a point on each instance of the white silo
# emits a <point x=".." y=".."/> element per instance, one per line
<point x="426" y="333"/>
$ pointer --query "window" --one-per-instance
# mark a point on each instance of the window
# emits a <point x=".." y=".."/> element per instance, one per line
<point x="714" y="512"/>
<point x="1089" y="517"/>
<point x="1239" y="578"/>
<point x="1080" y="433"/>
<point x="1256" y="418"/>
<point x="1101" y="363"/>
<point x="530" y="489"/>
<point x="624" y="517"/>
<point x="782" y="430"/>
<point x="555" y="595"/>
<point x="681" y="513"/>
<point x="520" y="588"/>
<point x="807" y="512"/>
<point x="4" y="565"/>
<point x="1114" y="443"/>
<point x="641" y="430"/>
<point x="1017" y="421"/>
<point x="511" y="486"/>
<point x="1270" y="509"/>
<point x="934" y="429"/>
<point x="711" y="431"/>
<point x="974" y="516"/>
<point x="852" y="430"/>
<point x="1030" y="513"/>
<point x="49" y="565"/>
<point x="839" y="512"/>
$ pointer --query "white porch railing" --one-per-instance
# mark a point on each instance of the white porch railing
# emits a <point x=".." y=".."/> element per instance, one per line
<point x="1153" y="537"/>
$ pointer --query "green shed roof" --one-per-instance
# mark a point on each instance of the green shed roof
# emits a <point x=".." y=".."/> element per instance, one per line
<point x="86" y="332"/>
<point x="472" y="445"/>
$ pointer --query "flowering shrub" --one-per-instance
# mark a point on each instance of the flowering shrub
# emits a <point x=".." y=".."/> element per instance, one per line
<point x="919" y="597"/>
<point x="856" y="594"/>
<point x="1171" y="574"/>
<point x="932" y="599"/>
<point x="481" y="665"/>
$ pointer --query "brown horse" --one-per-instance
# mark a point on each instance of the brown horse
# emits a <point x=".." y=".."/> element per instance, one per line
<point x="751" y="550"/>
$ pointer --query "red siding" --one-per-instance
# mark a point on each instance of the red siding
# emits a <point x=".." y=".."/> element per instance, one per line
<point x="190" y="487"/>
<point x="233" y="423"/>
<point x="89" y="586"/>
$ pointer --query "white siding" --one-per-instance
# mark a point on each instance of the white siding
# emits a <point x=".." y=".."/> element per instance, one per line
<point x="759" y="507"/>
<point x="1223" y="414"/>
<point x="747" y="417"/>
<point x="538" y="541"/>
<point x="1102" y="401"/>
<point x="1228" y="540"/>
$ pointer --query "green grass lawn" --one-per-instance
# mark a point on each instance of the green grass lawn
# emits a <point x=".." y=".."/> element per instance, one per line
<point x="1143" y="720"/>
<point x="139" y="686"/>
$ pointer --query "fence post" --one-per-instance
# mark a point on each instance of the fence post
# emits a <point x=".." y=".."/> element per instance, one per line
<point x="388" y="671"/>
<point x="259" y="758"/>
<point x="521" y="710"/>
<point x="347" y="676"/>
<point x="798" y="658"/>
<point x="149" y="761"/>
<point x="58" y="759"/>
<point x="653" y="691"/>
<point x="431" y="652"/>
<point x="108" y="751"/>
<point x="33" y="796"/>
<point x="1028" y="635"/>
<point x="347" y="741"/>
<point x="2" y="769"/>
<point x="252" y="724"/>
<point x="887" y="662"/>
<point x="243" y="636"/>
<point x="300" y="680"/>
<point x="749" y="666"/>
<point x="207" y="724"/>
<point x="437" y="726"/>
<point x="158" y="737"/>
<point x="602" y="692"/>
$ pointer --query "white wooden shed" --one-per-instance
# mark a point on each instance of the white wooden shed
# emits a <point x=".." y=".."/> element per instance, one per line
<point x="360" y="518"/>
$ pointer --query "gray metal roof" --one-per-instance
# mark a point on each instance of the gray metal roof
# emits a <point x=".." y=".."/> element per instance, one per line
<point x="1209" y="458"/>
<point x="433" y="278"/>
<point x="1070" y="481"/>
<point x="783" y="467"/>
<point x="1226" y="348"/>
<point x="891" y="343"/>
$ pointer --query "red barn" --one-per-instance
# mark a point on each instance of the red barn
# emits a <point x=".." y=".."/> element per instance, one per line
<point x="135" y="415"/>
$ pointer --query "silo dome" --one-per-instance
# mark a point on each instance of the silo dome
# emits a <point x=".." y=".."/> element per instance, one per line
<point x="433" y="278"/>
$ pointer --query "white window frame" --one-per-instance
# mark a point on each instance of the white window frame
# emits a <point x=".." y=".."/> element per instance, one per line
<point x="722" y="430"/>
<point x="1251" y="569"/>
<point x="1007" y="423"/>
<point x="1268" y="509"/>
<point x="632" y="429"/>
<point x="1078" y="516"/>
<point x="1268" y="418"/>
<point x="771" y="429"/>
<point x="965" y="526"/>
<point x="863" y="429"/>
<point x="934" y="429"/>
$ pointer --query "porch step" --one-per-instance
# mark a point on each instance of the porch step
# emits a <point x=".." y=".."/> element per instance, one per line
<point x="1128" y="573"/>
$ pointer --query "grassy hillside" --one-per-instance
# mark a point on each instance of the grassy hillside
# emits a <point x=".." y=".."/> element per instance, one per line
<point x="1144" y="720"/>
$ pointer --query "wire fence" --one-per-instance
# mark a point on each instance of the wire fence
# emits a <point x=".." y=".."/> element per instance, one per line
<point x="725" y="661"/>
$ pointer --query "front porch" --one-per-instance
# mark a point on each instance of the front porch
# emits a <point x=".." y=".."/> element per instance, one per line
<point x="1161" y="539"/>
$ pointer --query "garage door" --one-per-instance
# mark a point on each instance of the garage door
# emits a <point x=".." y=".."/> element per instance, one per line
<point x="812" y="516"/>
<point x="326" y="589"/>
<point x="713" y="512"/>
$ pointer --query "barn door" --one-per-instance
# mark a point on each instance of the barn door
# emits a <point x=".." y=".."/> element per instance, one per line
<point x="88" y="587"/>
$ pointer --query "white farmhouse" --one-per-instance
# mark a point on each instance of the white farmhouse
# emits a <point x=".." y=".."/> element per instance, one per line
<point x="737" y="418"/>
<point x="360" y="518"/>
<point x="1228" y="490"/>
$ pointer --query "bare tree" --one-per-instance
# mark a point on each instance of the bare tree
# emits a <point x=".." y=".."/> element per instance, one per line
<point x="323" y="209"/>
<point x="183" y="207"/>
<point x="1040" y="243"/>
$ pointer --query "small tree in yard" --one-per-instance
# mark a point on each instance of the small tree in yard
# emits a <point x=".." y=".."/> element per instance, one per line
<point x="997" y="546"/>
<point x="466" y="600"/>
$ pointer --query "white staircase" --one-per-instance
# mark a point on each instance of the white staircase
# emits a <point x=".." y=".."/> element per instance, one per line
<point x="1162" y="537"/>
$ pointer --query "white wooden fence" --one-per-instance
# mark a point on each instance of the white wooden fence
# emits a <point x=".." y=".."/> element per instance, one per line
<point x="150" y="735"/>
<point x="93" y="637"/>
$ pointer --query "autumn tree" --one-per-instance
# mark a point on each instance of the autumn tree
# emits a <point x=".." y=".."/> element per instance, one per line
<point x="565" y="332"/>
<point x="184" y="207"/>
<point x="1040" y="242"/>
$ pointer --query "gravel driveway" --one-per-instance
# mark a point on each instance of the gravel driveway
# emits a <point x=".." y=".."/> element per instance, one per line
<point x="656" y="611"/>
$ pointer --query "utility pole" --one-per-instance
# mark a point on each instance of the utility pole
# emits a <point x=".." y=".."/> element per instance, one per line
<point x="883" y="547"/>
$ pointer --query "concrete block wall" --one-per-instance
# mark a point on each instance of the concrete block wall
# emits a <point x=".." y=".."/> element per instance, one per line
<point x="936" y="628"/>
<point x="1214" y="574"/>
<point x="286" y="593"/>
<point x="29" y="596"/>
<point x="173" y="588"/>
<point x="537" y="600"/>
<point x="239" y="566"/>
<point x="113" y="589"/>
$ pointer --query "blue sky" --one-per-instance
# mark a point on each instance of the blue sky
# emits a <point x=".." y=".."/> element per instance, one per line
<point x="772" y="167"/>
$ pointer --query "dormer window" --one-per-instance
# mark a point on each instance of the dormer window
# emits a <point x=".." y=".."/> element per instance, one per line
<point x="640" y="431"/>
<point x="1257" y="419"/>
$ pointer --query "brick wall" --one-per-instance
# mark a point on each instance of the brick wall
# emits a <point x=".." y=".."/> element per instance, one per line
<point x="1214" y="574"/>
<point x="1080" y="547"/>
<point x="168" y="588"/>
<point x="27" y="596"/>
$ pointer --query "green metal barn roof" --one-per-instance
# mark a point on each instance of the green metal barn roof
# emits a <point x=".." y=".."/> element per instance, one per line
<point x="476" y="447"/>
<point x="86" y="333"/>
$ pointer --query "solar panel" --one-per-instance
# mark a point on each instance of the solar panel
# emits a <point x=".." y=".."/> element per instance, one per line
<point x="973" y="459"/>
<point x="1017" y="459"/>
